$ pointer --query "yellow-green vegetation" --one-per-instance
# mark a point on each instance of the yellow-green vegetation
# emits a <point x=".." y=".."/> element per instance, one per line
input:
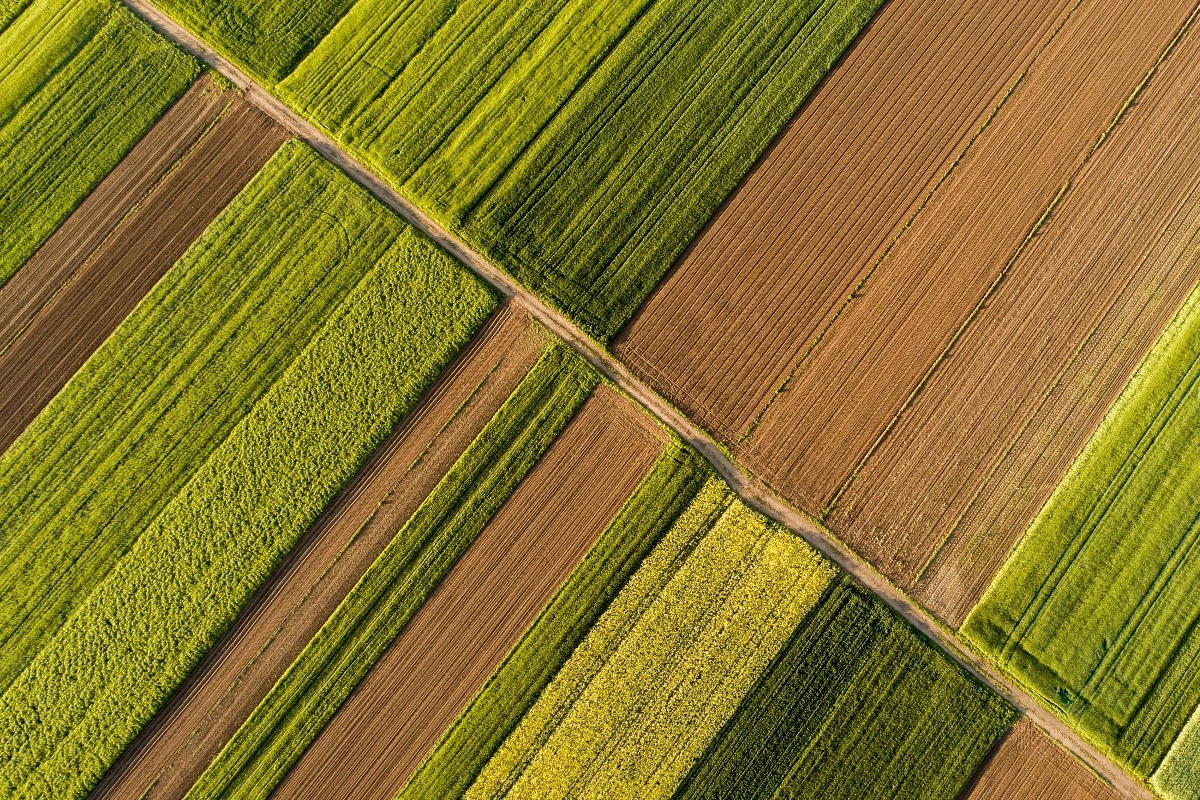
<point x="662" y="496"/>
<point x="1179" y="776"/>
<point x="80" y="82"/>
<point x="151" y="405"/>
<point x="1096" y="611"/>
<point x="395" y="586"/>
<point x="142" y="629"/>
<point x="856" y="705"/>
<point x="666" y="665"/>
<point x="578" y="144"/>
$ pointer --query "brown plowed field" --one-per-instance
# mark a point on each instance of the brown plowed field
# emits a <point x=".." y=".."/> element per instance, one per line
<point x="66" y="300"/>
<point x="459" y="636"/>
<point x="288" y="610"/>
<point x="1027" y="765"/>
<point x="971" y="333"/>
<point x="992" y="433"/>
<point x="769" y="271"/>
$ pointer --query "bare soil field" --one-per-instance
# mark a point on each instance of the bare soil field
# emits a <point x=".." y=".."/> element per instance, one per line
<point x="71" y="294"/>
<point x="493" y="593"/>
<point x="772" y="267"/>
<point x="970" y="332"/>
<point x="292" y="605"/>
<point x="1028" y="765"/>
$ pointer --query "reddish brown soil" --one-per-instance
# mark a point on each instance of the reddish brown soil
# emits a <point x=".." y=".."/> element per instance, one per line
<point x="288" y="610"/>
<point x="475" y="616"/>
<point x="772" y="267"/>
<point x="946" y="397"/>
<point x="992" y="433"/>
<point x="66" y="300"/>
<point x="1027" y="765"/>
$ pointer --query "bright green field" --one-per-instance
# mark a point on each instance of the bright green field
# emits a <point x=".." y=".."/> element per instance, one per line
<point x="578" y="144"/>
<point x="395" y="586"/>
<point x="221" y="530"/>
<point x="80" y="82"/>
<point x="1096" y="611"/>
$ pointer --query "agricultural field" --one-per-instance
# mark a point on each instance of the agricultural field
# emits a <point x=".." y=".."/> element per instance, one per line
<point x="943" y="380"/>
<point x="80" y="82"/>
<point x="91" y="272"/>
<point x="70" y="705"/>
<point x="1102" y="625"/>
<point x="436" y="98"/>
<point x="1028" y="765"/>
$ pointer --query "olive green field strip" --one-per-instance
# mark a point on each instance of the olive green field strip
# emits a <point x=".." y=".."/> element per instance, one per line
<point x="87" y="277"/>
<point x="80" y="82"/>
<point x="291" y="606"/>
<point x="942" y="383"/>
<point x="406" y="572"/>
<point x="1095" y="612"/>
<point x="700" y="647"/>
<point x="577" y="145"/>
<point x="378" y="344"/>
<point x="1028" y="765"/>
<point x="858" y="705"/>
<point x="477" y="614"/>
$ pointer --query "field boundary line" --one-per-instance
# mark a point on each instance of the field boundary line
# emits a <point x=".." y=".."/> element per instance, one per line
<point x="749" y="489"/>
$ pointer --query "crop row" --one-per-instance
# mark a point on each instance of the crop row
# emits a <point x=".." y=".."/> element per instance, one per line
<point x="403" y="576"/>
<point x="579" y="145"/>
<point x="152" y="404"/>
<point x="80" y="82"/>
<point x="1096" y="612"/>
<point x="131" y="641"/>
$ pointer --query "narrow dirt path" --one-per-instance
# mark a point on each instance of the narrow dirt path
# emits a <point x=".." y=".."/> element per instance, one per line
<point x="750" y="489"/>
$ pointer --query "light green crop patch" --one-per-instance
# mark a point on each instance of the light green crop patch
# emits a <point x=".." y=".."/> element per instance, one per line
<point x="1179" y="776"/>
<point x="668" y="662"/>
<point x="149" y="407"/>
<point x="375" y="611"/>
<point x="579" y="144"/>
<point x="1096" y="612"/>
<point x="137" y="635"/>
<point x="80" y="82"/>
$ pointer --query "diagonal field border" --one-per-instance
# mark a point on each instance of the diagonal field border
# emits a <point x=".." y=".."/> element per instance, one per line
<point x="749" y="488"/>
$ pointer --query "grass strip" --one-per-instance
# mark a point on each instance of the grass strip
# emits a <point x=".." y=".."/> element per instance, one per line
<point x="1095" y="612"/>
<point x="74" y="101"/>
<point x="667" y="663"/>
<point x="150" y="406"/>
<point x="130" y="643"/>
<point x="663" y="495"/>
<point x="397" y="583"/>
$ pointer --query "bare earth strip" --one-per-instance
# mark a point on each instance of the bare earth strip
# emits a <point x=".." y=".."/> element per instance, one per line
<point x="771" y="268"/>
<point x="292" y="605"/>
<point x="479" y="611"/>
<point x="980" y="450"/>
<point x="1028" y="765"/>
<point x="88" y="276"/>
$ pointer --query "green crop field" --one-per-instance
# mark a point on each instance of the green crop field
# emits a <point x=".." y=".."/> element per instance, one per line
<point x="148" y="409"/>
<point x="80" y="82"/>
<point x="1096" y="611"/>
<point x="579" y="145"/>
<point x="395" y="586"/>
<point x="498" y="708"/>
<point x="126" y="645"/>
<point x="857" y="705"/>
<point x="1178" y="778"/>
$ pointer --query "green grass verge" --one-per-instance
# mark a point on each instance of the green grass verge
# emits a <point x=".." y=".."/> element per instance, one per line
<point x="137" y="635"/>
<point x="151" y="405"/>
<point x="80" y="82"/>
<point x="1178" y="778"/>
<point x="667" y="663"/>
<point x="1095" y="612"/>
<point x="495" y="712"/>
<point x="397" y="583"/>
<point x="858" y="705"/>
<point x="580" y="145"/>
